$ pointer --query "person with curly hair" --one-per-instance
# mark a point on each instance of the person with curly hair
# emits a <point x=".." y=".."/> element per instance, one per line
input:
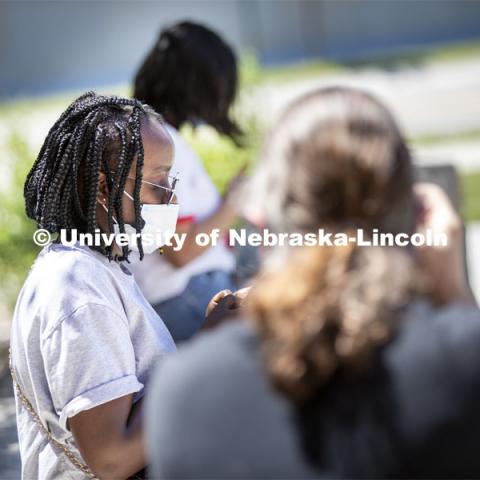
<point x="346" y="361"/>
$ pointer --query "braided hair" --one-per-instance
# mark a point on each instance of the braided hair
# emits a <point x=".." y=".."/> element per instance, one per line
<point x="96" y="133"/>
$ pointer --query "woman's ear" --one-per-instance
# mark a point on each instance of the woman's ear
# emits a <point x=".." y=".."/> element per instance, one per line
<point x="102" y="194"/>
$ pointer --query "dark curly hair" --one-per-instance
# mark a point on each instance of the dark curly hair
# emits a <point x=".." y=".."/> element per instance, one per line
<point x="96" y="133"/>
<point x="190" y="74"/>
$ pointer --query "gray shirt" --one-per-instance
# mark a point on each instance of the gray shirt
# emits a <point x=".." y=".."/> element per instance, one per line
<point x="82" y="335"/>
<point x="215" y="413"/>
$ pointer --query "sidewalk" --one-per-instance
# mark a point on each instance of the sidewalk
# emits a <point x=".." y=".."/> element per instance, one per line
<point x="9" y="454"/>
<point x="464" y="155"/>
<point x="413" y="94"/>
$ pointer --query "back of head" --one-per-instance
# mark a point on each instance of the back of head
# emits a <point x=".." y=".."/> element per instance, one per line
<point x="190" y="75"/>
<point x="336" y="160"/>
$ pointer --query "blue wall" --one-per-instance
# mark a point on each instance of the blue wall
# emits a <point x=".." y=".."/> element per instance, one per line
<point x="52" y="45"/>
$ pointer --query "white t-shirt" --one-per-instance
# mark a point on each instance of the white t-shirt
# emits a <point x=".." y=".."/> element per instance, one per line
<point x="82" y="335"/>
<point x="198" y="199"/>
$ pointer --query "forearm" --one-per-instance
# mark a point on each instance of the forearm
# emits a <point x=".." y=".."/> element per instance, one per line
<point x="132" y="446"/>
<point x="112" y="450"/>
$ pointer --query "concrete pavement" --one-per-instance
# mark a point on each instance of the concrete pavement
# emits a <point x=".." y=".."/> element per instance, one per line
<point x="436" y="99"/>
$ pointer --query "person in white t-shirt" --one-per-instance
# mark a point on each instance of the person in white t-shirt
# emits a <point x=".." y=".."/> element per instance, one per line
<point x="84" y="339"/>
<point x="190" y="77"/>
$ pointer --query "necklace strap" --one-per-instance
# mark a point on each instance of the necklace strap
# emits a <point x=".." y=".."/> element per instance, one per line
<point x="59" y="445"/>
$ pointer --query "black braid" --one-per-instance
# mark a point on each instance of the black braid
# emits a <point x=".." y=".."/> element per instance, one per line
<point x="95" y="133"/>
<point x="138" y="174"/>
<point x="115" y="198"/>
<point x="78" y="153"/>
<point x="93" y="180"/>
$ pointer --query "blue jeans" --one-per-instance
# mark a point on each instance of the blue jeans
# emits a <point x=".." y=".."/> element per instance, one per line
<point x="184" y="314"/>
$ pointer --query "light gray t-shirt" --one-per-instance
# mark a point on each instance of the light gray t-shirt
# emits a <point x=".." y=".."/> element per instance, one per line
<point x="83" y="334"/>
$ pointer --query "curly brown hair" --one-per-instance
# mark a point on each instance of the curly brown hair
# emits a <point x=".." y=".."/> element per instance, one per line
<point x="335" y="160"/>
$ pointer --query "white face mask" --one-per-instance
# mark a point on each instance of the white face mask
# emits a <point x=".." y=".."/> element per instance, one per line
<point x="160" y="222"/>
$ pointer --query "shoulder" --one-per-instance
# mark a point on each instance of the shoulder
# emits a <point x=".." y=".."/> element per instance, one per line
<point x="184" y="154"/>
<point x="214" y="368"/>
<point x="434" y="366"/>
<point x="438" y="336"/>
<point x="226" y="351"/>
<point x="72" y="267"/>
<point x="217" y="384"/>
<point x="63" y="280"/>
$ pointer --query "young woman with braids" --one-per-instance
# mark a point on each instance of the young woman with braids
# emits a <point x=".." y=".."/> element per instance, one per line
<point x="84" y="339"/>
<point x="190" y="76"/>
<point x="350" y="361"/>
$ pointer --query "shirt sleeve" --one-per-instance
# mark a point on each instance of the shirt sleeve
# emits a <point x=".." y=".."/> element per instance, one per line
<point x="89" y="360"/>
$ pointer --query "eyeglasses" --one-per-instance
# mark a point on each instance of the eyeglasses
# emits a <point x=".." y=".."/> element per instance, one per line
<point x="168" y="191"/>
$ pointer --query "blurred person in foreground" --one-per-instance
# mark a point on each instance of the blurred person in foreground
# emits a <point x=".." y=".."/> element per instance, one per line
<point x="190" y="77"/>
<point x="346" y="361"/>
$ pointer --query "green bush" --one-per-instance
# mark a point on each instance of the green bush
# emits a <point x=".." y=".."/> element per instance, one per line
<point x="470" y="192"/>
<point x="17" y="250"/>
<point x="221" y="157"/>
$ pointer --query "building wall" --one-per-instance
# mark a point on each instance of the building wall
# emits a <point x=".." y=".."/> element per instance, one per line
<point x="50" y="45"/>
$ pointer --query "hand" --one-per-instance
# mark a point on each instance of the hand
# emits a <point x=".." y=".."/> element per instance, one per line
<point x="223" y="306"/>
<point x="443" y="265"/>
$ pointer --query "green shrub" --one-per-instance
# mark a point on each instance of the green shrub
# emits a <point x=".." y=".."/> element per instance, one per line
<point x="221" y="157"/>
<point x="17" y="250"/>
<point x="470" y="191"/>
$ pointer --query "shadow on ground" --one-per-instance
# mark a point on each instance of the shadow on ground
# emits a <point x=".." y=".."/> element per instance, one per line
<point x="9" y="454"/>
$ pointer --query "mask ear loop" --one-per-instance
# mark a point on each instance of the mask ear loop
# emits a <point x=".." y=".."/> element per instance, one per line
<point x="128" y="195"/>
<point x="106" y="209"/>
<point x="160" y="250"/>
<point x="131" y="198"/>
